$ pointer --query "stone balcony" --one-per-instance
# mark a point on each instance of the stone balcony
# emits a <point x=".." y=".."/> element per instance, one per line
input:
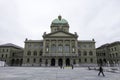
<point x="60" y="54"/>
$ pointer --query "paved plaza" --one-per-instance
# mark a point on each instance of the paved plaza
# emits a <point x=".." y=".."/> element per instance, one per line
<point x="54" y="73"/>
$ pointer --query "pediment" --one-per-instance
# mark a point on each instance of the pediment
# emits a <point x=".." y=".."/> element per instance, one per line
<point x="60" y="34"/>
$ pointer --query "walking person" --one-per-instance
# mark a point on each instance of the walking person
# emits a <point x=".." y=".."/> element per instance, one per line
<point x="101" y="71"/>
<point x="72" y="66"/>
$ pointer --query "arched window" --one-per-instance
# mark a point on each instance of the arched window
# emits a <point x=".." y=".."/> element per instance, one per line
<point x="6" y="55"/>
<point x="90" y="53"/>
<point x="40" y="60"/>
<point x="41" y="53"/>
<point x="3" y="50"/>
<point x="85" y="60"/>
<point x="34" y="60"/>
<point x="116" y="54"/>
<point x="91" y="60"/>
<point x="79" y="53"/>
<point x="85" y="53"/>
<point x="79" y="60"/>
<point x="28" y="60"/>
<point x="2" y="55"/>
<point x="29" y="53"/>
<point x="35" y="53"/>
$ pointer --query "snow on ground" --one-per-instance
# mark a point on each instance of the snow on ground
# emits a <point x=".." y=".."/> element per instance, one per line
<point x="51" y="73"/>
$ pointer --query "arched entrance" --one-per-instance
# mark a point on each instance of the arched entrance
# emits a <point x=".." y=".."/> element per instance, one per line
<point x="12" y="62"/>
<point x="53" y="62"/>
<point x="21" y="62"/>
<point x="100" y="62"/>
<point x="60" y="62"/>
<point x="67" y="62"/>
<point x="17" y="62"/>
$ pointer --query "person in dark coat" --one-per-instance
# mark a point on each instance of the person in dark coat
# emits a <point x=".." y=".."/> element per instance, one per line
<point x="72" y="66"/>
<point x="101" y="71"/>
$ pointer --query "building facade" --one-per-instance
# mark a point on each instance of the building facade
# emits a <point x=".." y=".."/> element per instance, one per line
<point x="11" y="54"/>
<point x="109" y="54"/>
<point x="59" y="47"/>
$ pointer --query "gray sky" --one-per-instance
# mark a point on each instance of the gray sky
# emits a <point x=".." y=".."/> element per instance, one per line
<point x="98" y="19"/>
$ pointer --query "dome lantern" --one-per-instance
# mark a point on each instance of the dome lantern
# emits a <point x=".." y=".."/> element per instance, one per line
<point x="59" y="17"/>
<point x="59" y="24"/>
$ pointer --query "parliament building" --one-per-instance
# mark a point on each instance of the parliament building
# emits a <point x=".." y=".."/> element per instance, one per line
<point x="58" y="48"/>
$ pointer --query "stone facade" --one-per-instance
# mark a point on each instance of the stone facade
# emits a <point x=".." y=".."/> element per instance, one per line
<point x="59" y="48"/>
<point x="109" y="54"/>
<point x="11" y="54"/>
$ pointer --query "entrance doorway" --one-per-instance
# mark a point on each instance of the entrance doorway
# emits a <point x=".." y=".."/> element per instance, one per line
<point x="60" y="62"/>
<point x="67" y="62"/>
<point x="12" y="62"/>
<point x="53" y="62"/>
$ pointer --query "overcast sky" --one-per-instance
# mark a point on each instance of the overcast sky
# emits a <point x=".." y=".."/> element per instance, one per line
<point x="98" y="19"/>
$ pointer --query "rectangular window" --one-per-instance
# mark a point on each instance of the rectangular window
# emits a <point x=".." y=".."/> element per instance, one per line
<point x="6" y="55"/>
<point x="53" y="48"/>
<point x="28" y="60"/>
<point x="60" y="49"/>
<point x="91" y="60"/>
<point x="67" y="49"/>
<point x="85" y="60"/>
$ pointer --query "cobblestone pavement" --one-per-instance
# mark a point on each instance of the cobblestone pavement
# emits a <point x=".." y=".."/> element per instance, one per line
<point x="51" y="73"/>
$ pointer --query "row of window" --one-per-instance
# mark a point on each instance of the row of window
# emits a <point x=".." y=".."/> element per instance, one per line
<point x="60" y="49"/>
<point x="35" y="46"/>
<point x="100" y="54"/>
<point x="34" y="60"/>
<point x="111" y="55"/>
<point x="113" y="49"/>
<point x="74" y="61"/>
<point x="4" y="55"/>
<point x="4" y="50"/>
<point x="60" y="29"/>
<point x="86" y="60"/>
<point x="85" y="53"/>
<point x="114" y="55"/>
<point x="34" y="53"/>
<point x="85" y="46"/>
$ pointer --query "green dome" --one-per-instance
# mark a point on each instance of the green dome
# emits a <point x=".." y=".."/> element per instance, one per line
<point x="59" y="20"/>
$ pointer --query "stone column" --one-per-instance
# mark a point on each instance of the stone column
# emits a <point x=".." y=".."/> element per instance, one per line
<point x="43" y="62"/>
<point x="71" y="61"/>
<point x="76" y="47"/>
<point x="49" y="62"/>
<point x="63" y="46"/>
<point x="44" y="46"/>
<point x="50" y="46"/>
<point x="56" y="62"/>
<point x="57" y="46"/>
<point x="77" y="62"/>
<point x="64" y="63"/>
<point x="70" y="47"/>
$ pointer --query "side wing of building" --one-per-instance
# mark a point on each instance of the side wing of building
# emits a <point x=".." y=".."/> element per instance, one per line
<point x="87" y="53"/>
<point x="33" y="52"/>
